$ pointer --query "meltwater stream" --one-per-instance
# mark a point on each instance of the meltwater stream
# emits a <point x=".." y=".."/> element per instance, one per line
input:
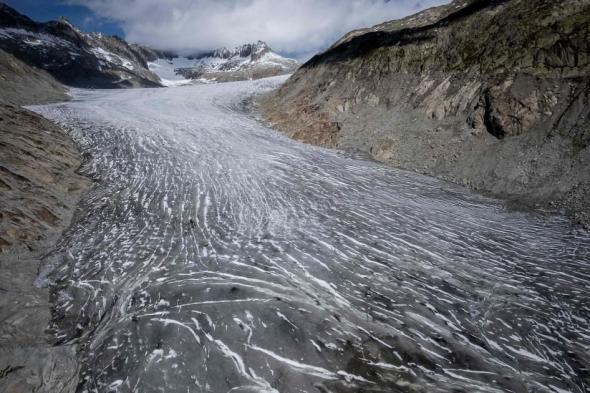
<point x="216" y="255"/>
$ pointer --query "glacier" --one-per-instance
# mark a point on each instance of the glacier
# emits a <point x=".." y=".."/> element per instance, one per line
<point x="216" y="255"/>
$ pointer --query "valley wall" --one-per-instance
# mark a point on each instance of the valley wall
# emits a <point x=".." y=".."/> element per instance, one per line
<point x="39" y="188"/>
<point x="494" y="95"/>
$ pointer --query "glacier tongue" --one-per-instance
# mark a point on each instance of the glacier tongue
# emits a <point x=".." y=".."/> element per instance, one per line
<point x="217" y="255"/>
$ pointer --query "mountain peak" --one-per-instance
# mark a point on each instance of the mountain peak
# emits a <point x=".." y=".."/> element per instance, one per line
<point x="249" y="61"/>
<point x="71" y="56"/>
<point x="253" y="50"/>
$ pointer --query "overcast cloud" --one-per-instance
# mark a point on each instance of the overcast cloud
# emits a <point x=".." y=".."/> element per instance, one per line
<point x="296" y="27"/>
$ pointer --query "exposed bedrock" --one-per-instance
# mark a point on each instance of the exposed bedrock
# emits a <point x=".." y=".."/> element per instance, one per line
<point x="39" y="188"/>
<point x="490" y="94"/>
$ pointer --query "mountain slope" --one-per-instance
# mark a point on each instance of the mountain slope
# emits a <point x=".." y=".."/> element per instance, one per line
<point x="73" y="57"/>
<point x="39" y="189"/>
<point x="249" y="61"/>
<point x="21" y="84"/>
<point x="491" y="94"/>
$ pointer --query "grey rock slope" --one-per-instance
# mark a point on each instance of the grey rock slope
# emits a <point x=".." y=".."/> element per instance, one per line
<point x="246" y="62"/>
<point x="490" y="94"/>
<point x="23" y="85"/>
<point x="73" y="57"/>
<point x="39" y="189"/>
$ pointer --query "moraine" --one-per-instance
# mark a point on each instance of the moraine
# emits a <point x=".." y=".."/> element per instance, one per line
<point x="216" y="255"/>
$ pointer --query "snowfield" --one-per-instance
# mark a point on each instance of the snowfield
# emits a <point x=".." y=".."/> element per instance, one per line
<point x="165" y="69"/>
<point x="216" y="255"/>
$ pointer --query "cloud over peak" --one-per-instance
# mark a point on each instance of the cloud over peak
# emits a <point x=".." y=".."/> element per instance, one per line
<point x="289" y="26"/>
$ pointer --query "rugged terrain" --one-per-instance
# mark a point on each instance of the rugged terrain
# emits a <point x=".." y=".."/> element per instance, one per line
<point x="214" y="254"/>
<point x="490" y="94"/>
<point x="73" y="57"/>
<point x="39" y="189"/>
<point x="95" y="60"/>
<point x="246" y="62"/>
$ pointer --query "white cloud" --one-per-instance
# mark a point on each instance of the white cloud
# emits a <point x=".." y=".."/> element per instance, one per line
<point x="289" y="26"/>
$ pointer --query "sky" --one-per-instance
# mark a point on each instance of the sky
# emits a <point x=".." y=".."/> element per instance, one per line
<point x="298" y="28"/>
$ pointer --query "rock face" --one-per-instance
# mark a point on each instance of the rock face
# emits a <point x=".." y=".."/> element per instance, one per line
<point x="20" y="83"/>
<point x="488" y="93"/>
<point x="73" y="57"/>
<point x="39" y="188"/>
<point x="246" y="62"/>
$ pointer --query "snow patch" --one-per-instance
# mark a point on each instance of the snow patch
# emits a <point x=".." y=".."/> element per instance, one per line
<point x="33" y="39"/>
<point x="109" y="57"/>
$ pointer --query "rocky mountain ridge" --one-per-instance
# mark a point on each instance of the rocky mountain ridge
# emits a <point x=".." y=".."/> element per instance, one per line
<point x="493" y="94"/>
<point x="245" y="62"/>
<point x="94" y="60"/>
<point x="73" y="57"/>
<point x="255" y="50"/>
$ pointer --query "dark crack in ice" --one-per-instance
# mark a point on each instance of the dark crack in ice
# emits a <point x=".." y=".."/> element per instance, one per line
<point x="216" y="255"/>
